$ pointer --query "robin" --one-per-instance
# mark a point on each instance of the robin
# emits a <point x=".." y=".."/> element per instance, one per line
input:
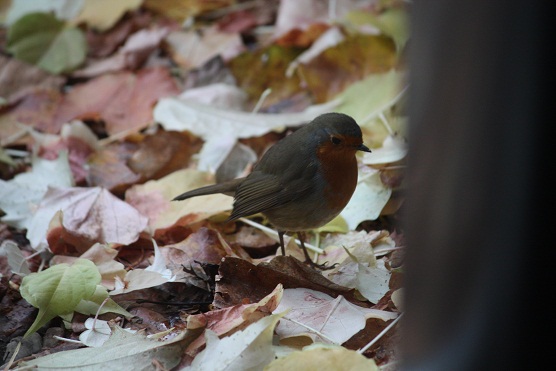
<point x="302" y="182"/>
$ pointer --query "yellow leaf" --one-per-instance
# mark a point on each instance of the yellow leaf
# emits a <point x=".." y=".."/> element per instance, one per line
<point x="103" y="14"/>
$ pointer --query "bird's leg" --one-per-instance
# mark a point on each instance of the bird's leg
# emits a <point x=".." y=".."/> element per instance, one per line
<point x="281" y="237"/>
<point x="308" y="259"/>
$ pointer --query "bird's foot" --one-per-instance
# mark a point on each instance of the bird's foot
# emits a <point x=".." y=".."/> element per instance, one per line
<point x="322" y="267"/>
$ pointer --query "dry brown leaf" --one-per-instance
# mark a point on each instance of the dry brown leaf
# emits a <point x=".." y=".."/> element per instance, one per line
<point x="18" y="79"/>
<point x="351" y="60"/>
<point x="162" y="153"/>
<point x="122" y="100"/>
<point x="203" y="246"/>
<point x="108" y="167"/>
<point x="130" y="56"/>
<point x="36" y="109"/>
<point x="241" y="280"/>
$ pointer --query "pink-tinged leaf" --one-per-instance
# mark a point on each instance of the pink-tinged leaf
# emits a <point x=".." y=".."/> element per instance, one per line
<point x="122" y="100"/>
<point x="331" y="320"/>
<point x="228" y="320"/>
<point x="89" y="215"/>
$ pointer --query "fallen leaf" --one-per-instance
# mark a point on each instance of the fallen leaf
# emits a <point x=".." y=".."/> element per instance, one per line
<point x="103" y="14"/>
<point x="180" y="10"/>
<point x="108" y="167"/>
<point x="249" y="349"/>
<point x="154" y="199"/>
<point x="226" y="321"/>
<point x="103" y="44"/>
<point x="97" y="333"/>
<point x="391" y="20"/>
<point x="59" y="289"/>
<point x="78" y="140"/>
<point x="16" y="260"/>
<point x="202" y="246"/>
<point x="257" y="71"/>
<point x="350" y="61"/>
<point x="21" y="195"/>
<point x="123" y="100"/>
<point x="240" y="279"/>
<point x="19" y="79"/>
<point x="323" y="357"/>
<point x="162" y="153"/>
<point x="42" y="40"/>
<point x="100" y="303"/>
<point x="192" y="49"/>
<point x="221" y="128"/>
<point x="122" y="351"/>
<point x="155" y="274"/>
<point x="130" y="56"/>
<point x="37" y="110"/>
<point x="62" y="9"/>
<point x="368" y="200"/>
<point x="137" y="279"/>
<point x="371" y="97"/>
<point x="89" y="215"/>
<point x="336" y="319"/>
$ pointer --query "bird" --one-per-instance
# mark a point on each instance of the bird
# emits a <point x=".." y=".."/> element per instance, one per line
<point x="300" y="183"/>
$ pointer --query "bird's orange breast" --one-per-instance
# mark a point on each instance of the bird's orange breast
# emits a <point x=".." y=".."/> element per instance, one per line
<point x="339" y="171"/>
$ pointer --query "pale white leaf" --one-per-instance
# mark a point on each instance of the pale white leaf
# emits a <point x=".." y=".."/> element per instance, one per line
<point x="249" y="349"/>
<point x="335" y="320"/>
<point x="97" y="333"/>
<point x="368" y="200"/>
<point x="20" y="196"/>
<point x="16" y="260"/>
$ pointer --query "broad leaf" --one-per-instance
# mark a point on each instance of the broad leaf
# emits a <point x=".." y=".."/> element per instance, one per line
<point x="43" y="40"/>
<point x="59" y="289"/>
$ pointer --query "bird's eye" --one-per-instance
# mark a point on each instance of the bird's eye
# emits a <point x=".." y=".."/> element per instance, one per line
<point x="335" y="140"/>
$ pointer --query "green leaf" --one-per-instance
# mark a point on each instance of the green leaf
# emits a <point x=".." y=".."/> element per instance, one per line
<point x="43" y="40"/>
<point x="91" y="305"/>
<point x="59" y="289"/>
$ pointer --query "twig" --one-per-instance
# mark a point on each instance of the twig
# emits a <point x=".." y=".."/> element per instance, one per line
<point x="377" y="338"/>
<point x="261" y="100"/>
<point x="311" y="329"/>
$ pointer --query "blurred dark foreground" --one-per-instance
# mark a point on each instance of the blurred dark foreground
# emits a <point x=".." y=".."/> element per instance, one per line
<point x="480" y="216"/>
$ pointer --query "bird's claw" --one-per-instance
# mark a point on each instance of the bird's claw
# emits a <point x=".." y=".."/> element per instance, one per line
<point x="322" y="267"/>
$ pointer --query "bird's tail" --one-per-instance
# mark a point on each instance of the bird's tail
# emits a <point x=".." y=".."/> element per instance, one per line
<point x="227" y="188"/>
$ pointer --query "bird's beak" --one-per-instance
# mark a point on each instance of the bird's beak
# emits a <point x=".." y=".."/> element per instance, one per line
<point x="363" y="148"/>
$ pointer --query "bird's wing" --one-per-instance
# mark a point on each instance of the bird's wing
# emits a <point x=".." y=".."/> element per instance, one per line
<point x="265" y="191"/>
